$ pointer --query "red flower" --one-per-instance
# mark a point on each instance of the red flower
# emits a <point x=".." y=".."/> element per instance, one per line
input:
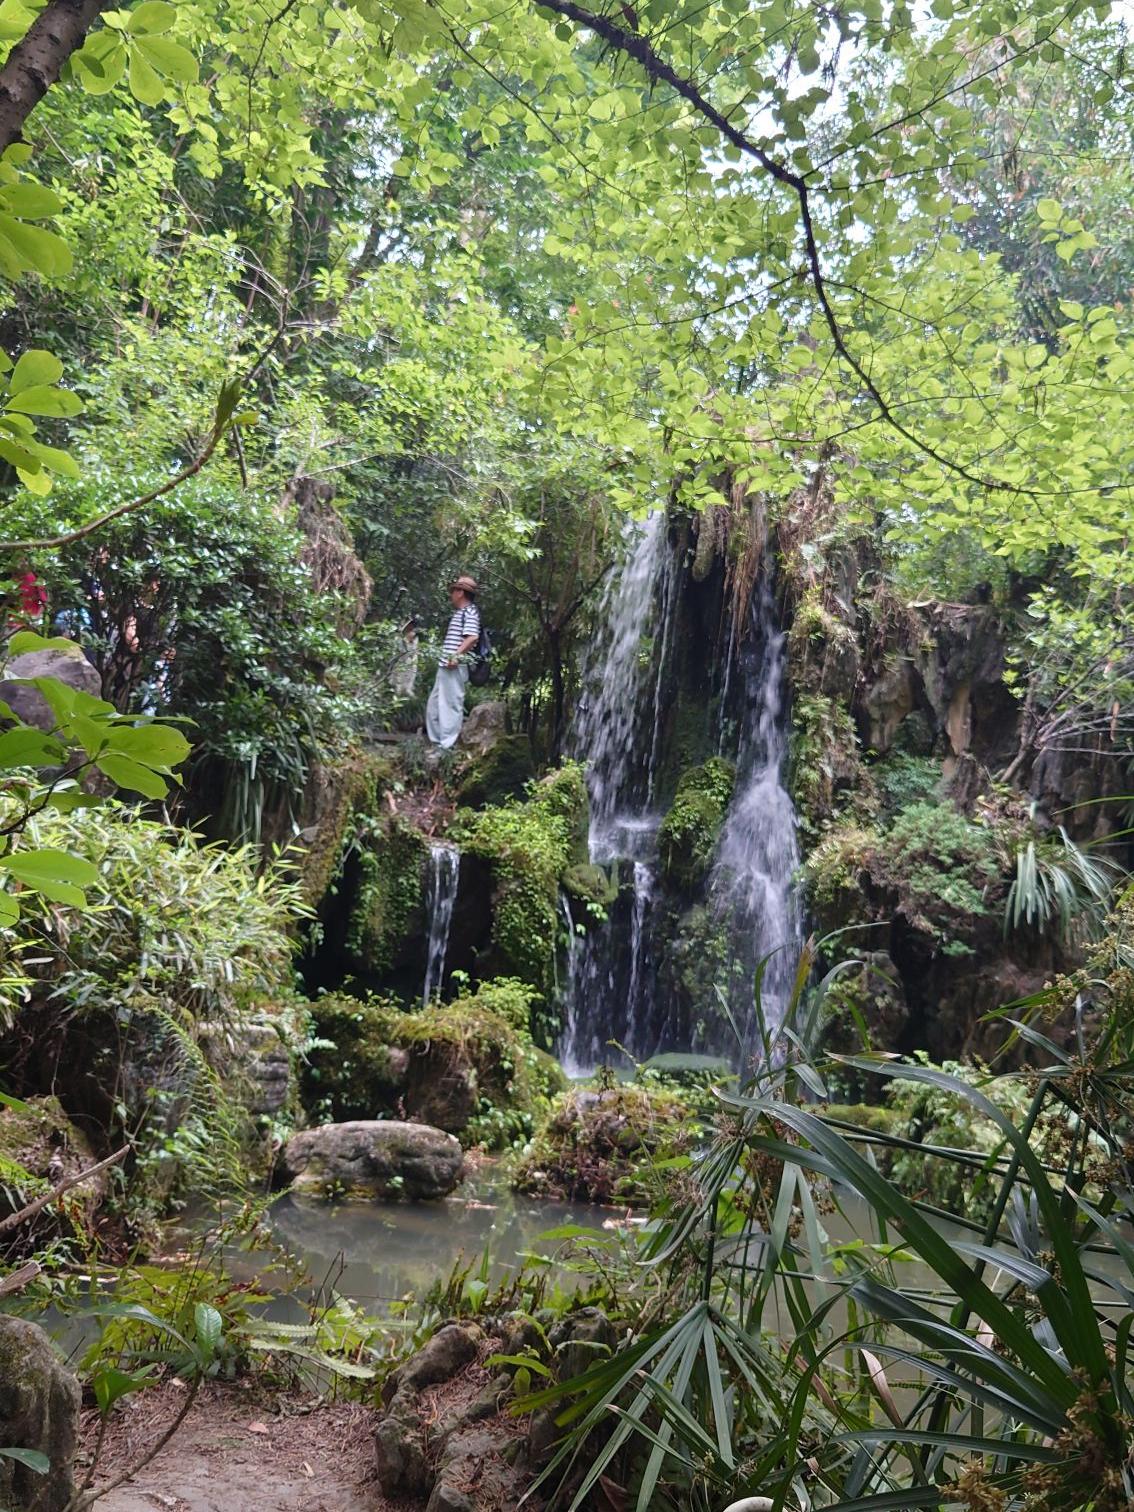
<point x="33" y="595"/>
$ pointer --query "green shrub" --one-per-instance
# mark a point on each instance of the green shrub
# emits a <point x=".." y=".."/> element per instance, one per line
<point x="937" y="868"/>
<point x="387" y="910"/>
<point x="180" y="943"/>
<point x="688" y="834"/>
<point x="229" y="629"/>
<point x="825" y="759"/>
<point x="195" y="927"/>
<point x="607" y="1145"/>
<point x="929" y="1116"/>
<point x="903" y="779"/>
<point x="468" y="1066"/>
<point x="530" y="846"/>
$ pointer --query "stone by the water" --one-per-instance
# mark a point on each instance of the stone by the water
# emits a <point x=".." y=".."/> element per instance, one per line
<point x="374" y="1158"/>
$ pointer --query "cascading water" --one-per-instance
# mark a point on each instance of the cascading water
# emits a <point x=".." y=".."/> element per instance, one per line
<point x="440" y="896"/>
<point x="752" y="882"/>
<point x="608" y="724"/>
<point x="617" y="972"/>
<point x="616" y="733"/>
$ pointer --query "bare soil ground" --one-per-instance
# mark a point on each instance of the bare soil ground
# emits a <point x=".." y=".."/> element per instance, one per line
<point x="240" y="1451"/>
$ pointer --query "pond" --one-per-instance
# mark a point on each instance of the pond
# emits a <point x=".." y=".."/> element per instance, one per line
<point x="377" y="1253"/>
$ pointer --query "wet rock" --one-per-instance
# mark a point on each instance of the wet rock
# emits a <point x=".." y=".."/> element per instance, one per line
<point x="39" y="1410"/>
<point x="888" y="699"/>
<point x="875" y="993"/>
<point x="255" y="1057"/>
<point x="69" y="666"/>
<point x="372" y="1158"/>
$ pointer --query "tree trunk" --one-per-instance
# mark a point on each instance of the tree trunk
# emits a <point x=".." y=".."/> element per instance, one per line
<point x="558" y="694"/>
<point x="37" y="60"/>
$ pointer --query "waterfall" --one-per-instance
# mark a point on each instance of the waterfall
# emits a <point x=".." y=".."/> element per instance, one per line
<point x="607" y="732"/>
<point x="752" y="881"/>
<point x="440" y="896"/>
<point x="620" y="982"/>
<point x="611" y="969"/>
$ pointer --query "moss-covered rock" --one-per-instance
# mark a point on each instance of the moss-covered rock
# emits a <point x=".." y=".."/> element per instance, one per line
<point x="591" y="884"/>
<point x="826" y="768"/>
<point x="696" y="959"/>
<point x="689" y="832"/>
<point x="501" y="773"/>
<point x="39" y="1411"/>
<point x="39" y="1147"/>
<point x="468" y="1067"/>
<point x="387" y="917"/>
<point x="337" y="794"/>
<point x="603" y="1146"/>
<point x="530" y="846"/>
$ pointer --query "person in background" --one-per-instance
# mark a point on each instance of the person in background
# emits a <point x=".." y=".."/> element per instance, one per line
<point x="404" y="675"/>
<point x="445" y="711"/>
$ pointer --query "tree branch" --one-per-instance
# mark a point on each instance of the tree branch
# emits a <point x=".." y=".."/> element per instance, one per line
<point x="634" y="45"/>
<point x="37" y="60"/>
<point x="15" y="1219"/>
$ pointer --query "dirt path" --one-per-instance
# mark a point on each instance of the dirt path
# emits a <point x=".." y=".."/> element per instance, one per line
<point x="241" y="1452"/>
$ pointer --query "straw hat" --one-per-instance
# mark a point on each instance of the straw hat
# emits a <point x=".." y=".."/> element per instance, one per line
<point x="465" y="583"/>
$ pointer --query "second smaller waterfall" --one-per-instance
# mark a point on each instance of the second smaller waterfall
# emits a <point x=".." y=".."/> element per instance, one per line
<point x="440" y="896"/>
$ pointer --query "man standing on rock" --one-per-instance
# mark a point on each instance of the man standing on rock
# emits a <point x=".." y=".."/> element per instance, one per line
<point x="445" y="711"/>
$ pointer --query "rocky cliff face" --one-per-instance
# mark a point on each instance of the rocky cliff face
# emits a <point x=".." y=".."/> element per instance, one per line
<point x="903" y="728"/>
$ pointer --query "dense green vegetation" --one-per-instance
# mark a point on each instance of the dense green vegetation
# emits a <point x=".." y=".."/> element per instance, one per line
<point x="304" y="312"/>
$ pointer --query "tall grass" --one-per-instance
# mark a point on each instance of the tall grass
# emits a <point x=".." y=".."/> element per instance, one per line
<point x="927" y="1363"/>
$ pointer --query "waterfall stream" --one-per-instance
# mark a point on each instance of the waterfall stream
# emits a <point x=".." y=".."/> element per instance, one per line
<point x="440" y="896"/>
<point x="613" y="984"/>
<point x="616" y="733"/>
<point x="751" y="884"/>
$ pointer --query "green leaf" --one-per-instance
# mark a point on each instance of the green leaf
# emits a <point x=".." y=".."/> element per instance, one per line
<point x="9" y="916"/>
<point x="150" y="18"/>
<point x="32" y="1458"/>
<point x="42" y="400"/>
<point x="152" y="745"/>
<point x="110" y="1385"/>
<point x="145" y="84"/>
<point x="35" y="369"/>
<point x="38" y="251"/>
<point x="210" y="1327"/>
<point x="132" y="776"/>
<point x="101" y="63"/>
<point x="30" y="201"/>
<point x="29" y="747"/>
<point x="1049" y="210"/>
<point x="28" y="640"/>
<point x="170" y="59"/>
<point x="49" y="868"/>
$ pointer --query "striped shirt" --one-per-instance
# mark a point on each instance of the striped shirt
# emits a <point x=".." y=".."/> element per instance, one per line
<point x="465" y="622"/>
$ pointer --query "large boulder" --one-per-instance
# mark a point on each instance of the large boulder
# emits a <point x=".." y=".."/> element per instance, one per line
<point x="39" y="1411"/>
<point x="70" y="666"/>
<point x="374" y="1158"/>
